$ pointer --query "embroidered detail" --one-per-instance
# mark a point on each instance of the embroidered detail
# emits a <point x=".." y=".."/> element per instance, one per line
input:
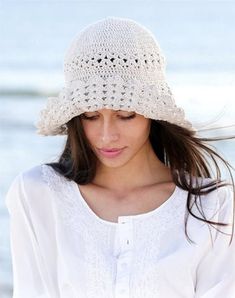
<point x="58" y="184"/>
<point x="101" y="241"/>
<point x="69" y="205"/>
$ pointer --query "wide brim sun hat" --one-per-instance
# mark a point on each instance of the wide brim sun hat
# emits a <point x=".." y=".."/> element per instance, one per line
<point x="114" y="63"/>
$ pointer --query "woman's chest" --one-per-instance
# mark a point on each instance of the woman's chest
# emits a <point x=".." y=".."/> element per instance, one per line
<point x="110" y="206"/>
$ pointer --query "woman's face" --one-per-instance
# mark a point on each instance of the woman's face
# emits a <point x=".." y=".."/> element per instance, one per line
<point x="107" y="129"/>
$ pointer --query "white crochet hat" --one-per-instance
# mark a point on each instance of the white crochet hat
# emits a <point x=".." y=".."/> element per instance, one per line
<point x="117" y="64"/>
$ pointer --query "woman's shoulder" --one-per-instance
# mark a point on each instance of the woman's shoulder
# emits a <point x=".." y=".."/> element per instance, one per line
<point x="32" y="173"/>
<point x="32" y="176"/>
<point x="26" y="181"/>
<point x="44" y="176"/>
<point x="41" y="173"/>
<point x="30" y="186"/>
<point x="32" y="180"/>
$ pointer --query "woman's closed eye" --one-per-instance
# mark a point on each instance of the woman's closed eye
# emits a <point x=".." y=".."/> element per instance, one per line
<point x="85" y="117"/>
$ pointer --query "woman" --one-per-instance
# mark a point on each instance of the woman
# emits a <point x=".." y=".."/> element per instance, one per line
<point x="131" y="208"/>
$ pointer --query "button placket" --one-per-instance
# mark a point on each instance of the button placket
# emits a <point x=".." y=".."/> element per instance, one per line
<point x="125" y="234"/>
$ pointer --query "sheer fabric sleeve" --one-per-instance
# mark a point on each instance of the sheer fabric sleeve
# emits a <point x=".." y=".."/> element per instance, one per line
<point x="216" y="271"/>
<point x="27" y="263"/>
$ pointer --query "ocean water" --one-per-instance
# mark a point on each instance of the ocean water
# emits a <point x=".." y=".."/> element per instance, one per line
<point x="197" y="38"/>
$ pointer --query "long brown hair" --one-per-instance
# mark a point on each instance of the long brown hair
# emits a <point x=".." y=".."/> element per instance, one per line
<point x="186" y="154"/>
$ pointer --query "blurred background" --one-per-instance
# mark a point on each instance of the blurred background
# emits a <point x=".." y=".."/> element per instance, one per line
<point x="197" y="38"/>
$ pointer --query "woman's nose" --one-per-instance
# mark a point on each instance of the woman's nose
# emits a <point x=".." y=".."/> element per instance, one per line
<point x="107" y="138"/>
<point x="109" y="132"/>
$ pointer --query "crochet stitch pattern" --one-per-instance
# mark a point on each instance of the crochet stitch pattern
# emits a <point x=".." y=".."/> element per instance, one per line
<point x="117" y="64"/>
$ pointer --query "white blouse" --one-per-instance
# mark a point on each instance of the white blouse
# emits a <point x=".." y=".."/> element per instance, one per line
<point x="61" y="249"/>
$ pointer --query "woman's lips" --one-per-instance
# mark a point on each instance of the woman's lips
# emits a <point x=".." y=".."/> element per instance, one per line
<point x="111" y="152"/>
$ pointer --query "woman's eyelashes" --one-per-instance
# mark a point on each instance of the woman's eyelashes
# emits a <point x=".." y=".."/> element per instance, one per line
<point x="83" y="116"/>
